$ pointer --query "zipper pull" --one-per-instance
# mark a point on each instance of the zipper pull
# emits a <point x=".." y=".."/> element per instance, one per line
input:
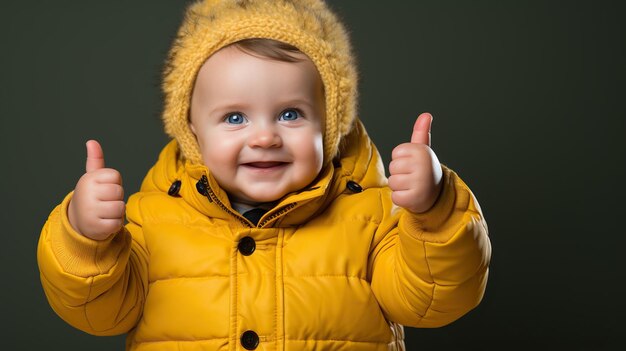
<point x="203" y="187"/>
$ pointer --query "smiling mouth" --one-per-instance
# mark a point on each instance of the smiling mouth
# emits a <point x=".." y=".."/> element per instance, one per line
<point x="264" y="164"/>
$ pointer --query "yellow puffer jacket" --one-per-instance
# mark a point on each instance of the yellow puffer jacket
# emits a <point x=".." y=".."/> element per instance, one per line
<point x="335" y="266"/>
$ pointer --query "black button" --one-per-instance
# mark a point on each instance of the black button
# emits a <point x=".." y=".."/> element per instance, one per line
<point x="249" y="340"/>
<point x="354" y="186"/>
<point x="174" y="188"/>
<point x="246" y="246"/>
<point x="201" y="186"/>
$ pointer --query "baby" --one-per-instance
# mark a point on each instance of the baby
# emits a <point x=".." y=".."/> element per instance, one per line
<point x="267" y="222"/>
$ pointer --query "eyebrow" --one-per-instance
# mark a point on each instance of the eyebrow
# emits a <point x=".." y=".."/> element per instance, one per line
<point x="229" y="107"/>
<point x="239" y="106"/>
<point x="288" y="102"/>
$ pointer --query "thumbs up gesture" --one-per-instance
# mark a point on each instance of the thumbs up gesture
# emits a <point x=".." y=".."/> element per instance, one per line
<point x="97" y="207"/>
<point x="415" y="172"/>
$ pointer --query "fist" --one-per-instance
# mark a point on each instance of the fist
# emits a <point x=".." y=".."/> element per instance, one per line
<point x="97" y="208"/>
<point x="415" y="172"/>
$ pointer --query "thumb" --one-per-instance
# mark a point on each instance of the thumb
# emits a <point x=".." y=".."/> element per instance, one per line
<point x="95" y="156"/>
<point x="421" y="129"/>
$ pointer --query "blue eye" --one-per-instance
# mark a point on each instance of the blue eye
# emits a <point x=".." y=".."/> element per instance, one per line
<point x="289" y="115"/>
<point x="235" y="118"/>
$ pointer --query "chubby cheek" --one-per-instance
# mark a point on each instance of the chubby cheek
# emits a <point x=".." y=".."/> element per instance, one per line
<point x="219" y="154"/>
<point x="310" y="153"/>
<point x="318" y="152"/>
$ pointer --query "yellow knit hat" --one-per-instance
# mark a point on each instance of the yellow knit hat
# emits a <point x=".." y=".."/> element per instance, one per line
<point x="309" y="25"/>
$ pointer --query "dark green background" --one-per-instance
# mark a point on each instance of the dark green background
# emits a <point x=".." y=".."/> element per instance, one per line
<point x="528" y="99"/>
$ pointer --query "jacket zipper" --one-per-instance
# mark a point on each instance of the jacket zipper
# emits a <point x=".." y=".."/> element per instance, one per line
<point x="282" y="211"/>
<point x="212" y="197"/>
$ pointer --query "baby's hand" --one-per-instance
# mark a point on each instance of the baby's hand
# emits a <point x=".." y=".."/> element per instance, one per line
<point x="415" y="172"/>
<point x="97" y="207"/>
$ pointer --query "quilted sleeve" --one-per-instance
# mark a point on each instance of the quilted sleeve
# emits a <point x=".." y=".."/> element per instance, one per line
<point x="429" y="269"/>
<point x="96" y="286"/>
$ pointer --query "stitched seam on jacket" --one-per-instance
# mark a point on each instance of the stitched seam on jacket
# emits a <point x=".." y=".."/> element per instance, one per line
<point x="186" y="223"/>
<point x="279" y="255"/>
<point x="327" y="276"/>
<point x="179" y="341"/>
<point x="340" y="340"/>
<point x="85" y="311"/>
<point x="216" y="276"/>
<point x="432" y="296"/>
<point x="86" y="302"/>
<point x="95" y="260"/>
<point x="362" y="218"/>
<point x="234" y="297"/>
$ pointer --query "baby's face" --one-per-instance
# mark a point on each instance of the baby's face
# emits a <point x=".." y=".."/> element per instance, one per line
<point x="258" y="123"/>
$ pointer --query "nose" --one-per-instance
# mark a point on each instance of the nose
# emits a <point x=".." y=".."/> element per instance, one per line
<point x="265" y="136"/>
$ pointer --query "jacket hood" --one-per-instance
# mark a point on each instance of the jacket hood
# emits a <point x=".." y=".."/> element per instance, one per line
<point x="309" y="25"/>
<point x="358" y="162"/>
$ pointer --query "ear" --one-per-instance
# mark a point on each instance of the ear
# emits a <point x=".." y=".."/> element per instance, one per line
<point x="193" y="129"/>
